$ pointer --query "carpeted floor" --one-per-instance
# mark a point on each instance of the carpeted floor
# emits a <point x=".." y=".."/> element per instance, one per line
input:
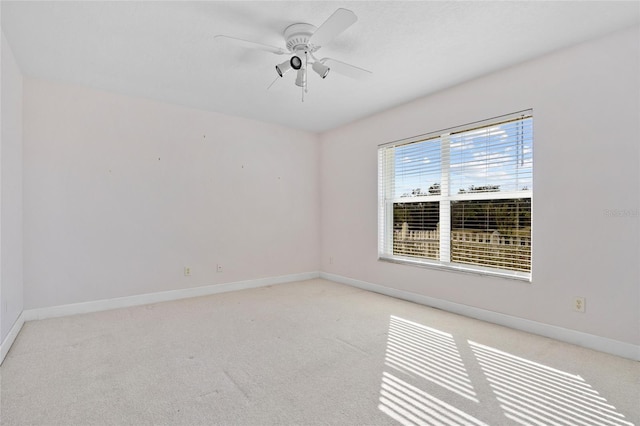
<point x="306" y="353"/>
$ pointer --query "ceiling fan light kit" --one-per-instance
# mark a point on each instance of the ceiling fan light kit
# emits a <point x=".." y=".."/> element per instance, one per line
<point x="321" y="69"/>
<point x="302" y="40"/>
<point x="282" y="68"/>
<point x="295" y="63"/>
<point x="301" y="78"/>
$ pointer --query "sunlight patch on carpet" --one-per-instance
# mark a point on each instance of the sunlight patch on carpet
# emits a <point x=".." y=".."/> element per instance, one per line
<point x="410" y="405"/>
<point x="533" y="393"/>
<point x="428" y="353"/>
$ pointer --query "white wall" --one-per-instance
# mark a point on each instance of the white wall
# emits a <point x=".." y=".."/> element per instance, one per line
<point x="11" y="295"/>
<point x="586" y="127"/>
<point x="121" y="193"/>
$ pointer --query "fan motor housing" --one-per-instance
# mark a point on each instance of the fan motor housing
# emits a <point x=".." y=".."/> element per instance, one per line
<point x="297" y="37"/>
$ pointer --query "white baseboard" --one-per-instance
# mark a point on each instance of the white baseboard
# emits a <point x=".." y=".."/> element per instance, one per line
<point x="602" y="344"/>
<point x="163" y="296"/>
<point x="11" y="337"/>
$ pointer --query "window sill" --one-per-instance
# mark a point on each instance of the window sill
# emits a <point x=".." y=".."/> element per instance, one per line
<point x="456" y="267"/>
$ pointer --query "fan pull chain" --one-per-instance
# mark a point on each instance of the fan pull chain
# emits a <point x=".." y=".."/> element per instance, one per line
<point x="306" y="67"/>
<point x="304" y="80"/>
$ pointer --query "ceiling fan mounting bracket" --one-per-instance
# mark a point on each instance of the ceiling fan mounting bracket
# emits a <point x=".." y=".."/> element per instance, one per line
<point x="297" y="37"/>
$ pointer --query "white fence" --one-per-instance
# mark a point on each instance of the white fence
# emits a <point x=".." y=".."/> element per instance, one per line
<point x="469" y="247"/>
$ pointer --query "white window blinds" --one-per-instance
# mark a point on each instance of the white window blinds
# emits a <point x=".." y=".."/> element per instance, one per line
<point x="460" y="198"/>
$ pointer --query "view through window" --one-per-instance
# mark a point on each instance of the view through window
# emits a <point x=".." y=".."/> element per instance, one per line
<point x="460" y="198"/>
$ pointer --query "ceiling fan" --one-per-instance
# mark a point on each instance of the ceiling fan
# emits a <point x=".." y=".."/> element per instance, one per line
<point x="302" y="41"/>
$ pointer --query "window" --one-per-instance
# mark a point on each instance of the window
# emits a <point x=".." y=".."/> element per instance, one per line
<point x="460" y="198"/>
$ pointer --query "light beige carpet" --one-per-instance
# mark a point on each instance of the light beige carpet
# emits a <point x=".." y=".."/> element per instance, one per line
<point x="306" y="353"/>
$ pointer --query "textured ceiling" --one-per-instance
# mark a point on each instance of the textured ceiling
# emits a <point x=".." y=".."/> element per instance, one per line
<point x="167" y="51"/>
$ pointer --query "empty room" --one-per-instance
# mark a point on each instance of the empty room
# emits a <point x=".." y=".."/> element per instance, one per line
<point x="319" y="212"/>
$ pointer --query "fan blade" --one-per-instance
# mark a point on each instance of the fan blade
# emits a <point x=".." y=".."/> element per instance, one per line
<point x="346" y="69"/>
<point x="334" y="25"/>
<point x="253" y="45"/>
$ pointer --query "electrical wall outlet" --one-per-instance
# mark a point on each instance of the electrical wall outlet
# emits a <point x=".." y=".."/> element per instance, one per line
<point x="579" y="304"/>
<point x="219" y="268"/>
<point x="187" y="271"/>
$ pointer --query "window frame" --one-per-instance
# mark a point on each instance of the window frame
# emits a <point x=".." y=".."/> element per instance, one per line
<point x="386" y="204"/>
